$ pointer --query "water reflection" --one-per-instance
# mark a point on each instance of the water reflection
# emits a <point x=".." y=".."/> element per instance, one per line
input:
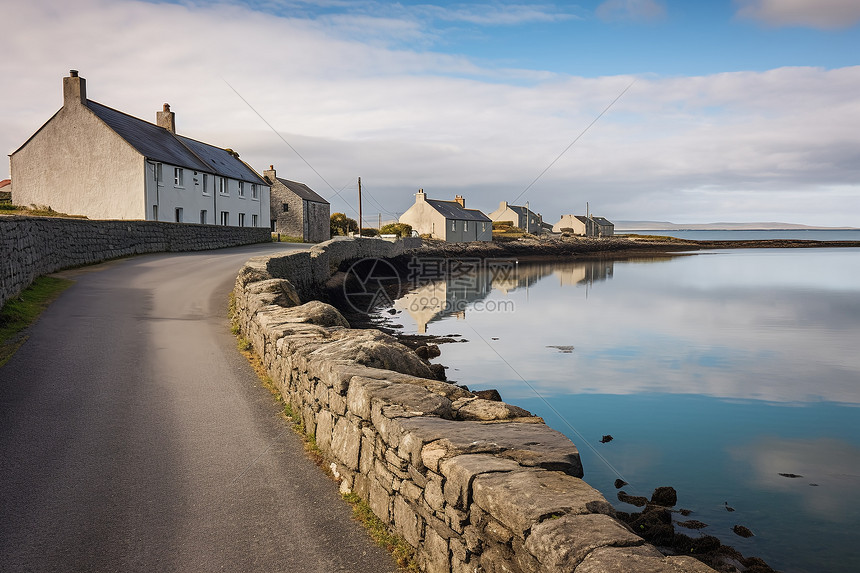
<point x="824" y="473"/>
<point x="466" y="287"/>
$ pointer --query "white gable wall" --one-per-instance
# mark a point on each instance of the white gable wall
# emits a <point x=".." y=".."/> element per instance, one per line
<point x="78" y="165"/>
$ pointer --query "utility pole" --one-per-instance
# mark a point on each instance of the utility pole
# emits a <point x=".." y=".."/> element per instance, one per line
<point x="359" y="206"/>
<point x="379" y="223"/>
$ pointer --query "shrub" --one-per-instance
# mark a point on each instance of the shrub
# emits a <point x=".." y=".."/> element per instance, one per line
<point x="369" y="232"/>
<point x="399" y="229"/>
<point x="342" y="225"/>
<point x="502" y="224"/>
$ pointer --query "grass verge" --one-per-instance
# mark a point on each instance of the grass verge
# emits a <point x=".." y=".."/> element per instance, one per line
<point x="286" y="238"/>
<point x="22" y="311"/>
<point x="378" y="530"/>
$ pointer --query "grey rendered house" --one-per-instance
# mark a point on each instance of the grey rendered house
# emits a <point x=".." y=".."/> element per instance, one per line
<point x="521" y="217"/>
<point x="297" y="210"/>
<point x="93" y="160"/>
<point x="447" y="220"/>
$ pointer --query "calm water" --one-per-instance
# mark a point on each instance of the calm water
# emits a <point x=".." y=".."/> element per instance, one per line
<point x="713" y="372"/>
<point x="808" y="234"/>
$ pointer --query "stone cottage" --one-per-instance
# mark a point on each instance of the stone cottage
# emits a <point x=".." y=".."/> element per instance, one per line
<point x="447" y="220"/>
<point x="297" y="211"/>
<point x="93" y="160"/>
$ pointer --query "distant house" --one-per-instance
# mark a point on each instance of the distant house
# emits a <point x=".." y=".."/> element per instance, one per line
<point x="92" y="160"/>
<point x="585" y="226"/>
<point x="521" y="216"/>
<point x="447" y="220"/>
<point x="297" y="210"/>
<point x="603" y="227"/>
<point x="5" y="190"/>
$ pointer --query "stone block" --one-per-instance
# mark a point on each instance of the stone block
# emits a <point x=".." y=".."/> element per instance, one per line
<point x="433" y="495"/>
<point x="531" y="445"/>
<point x="346" y="443"/>
<point x="459" y="472"/>
<point x="643" y="559"/>
<point x="433" y="555"/>
<point x="379" y="501"/>
<point x="325" y="426"/>
<point x="521" y="499"/>
<point x="561" y="544"/>
<point x="407" y="523"/>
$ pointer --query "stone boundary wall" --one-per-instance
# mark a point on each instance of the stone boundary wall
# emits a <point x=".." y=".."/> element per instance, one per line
<point x="473" y="485"/>
<point x="34" y="246"/>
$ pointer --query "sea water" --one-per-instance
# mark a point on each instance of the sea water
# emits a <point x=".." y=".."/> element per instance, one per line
<point x="721" y="373"/>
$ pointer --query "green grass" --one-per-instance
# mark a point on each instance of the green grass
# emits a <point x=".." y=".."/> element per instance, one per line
<point x="381" y="534"/>
<point x="35" y="211"/>
<point x="286" y="239"/>
<point x="22" y="311"/>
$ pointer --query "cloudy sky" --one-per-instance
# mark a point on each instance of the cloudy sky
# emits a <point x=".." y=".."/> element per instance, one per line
<point x="714" y="110"/>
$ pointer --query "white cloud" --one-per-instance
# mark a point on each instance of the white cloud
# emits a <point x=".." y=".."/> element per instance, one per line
<point x="738" y="146"/>
<point x="631" y="10"/>
<point x="825" y="14"/>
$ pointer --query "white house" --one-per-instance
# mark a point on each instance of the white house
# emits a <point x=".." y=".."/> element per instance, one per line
<point x="93" y="160"/>
<point x="447" y="220"/>
<point x="520" y="216"/>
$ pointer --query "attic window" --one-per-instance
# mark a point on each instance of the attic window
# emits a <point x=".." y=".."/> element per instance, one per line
<point x="286" y="207"/>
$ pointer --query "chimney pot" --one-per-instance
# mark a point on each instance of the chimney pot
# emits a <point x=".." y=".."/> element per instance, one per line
<point x="459" y="199"/>
<point x="73" y="73"/>
<point x="166" y="107"/>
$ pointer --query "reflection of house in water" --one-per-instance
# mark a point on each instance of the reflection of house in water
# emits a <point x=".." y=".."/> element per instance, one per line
<point x="447" y="297"/>
<point x="453" y="295"/>
<point x="586" y="272"/>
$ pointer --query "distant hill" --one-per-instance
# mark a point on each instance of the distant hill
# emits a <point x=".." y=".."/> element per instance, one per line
<point x="668" y="226"/>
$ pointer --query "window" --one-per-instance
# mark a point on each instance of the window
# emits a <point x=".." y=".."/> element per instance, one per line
<point x="222" y="186"/>
<point x="155" y="212"/>
<point x="241" y="219"/>
<point x="205" y="184"/>
<point x="453" y="225"/>
<point x="465" y="225"/>
<point x="225" y="218"/>
<point x="286" y="207"/>
<point x="156" y="171"/>
<point x="483" y="227"/>
<point x="241" y="188"/>
<point x="254" y="192"/>
<point x="203" y="220"/>
<point x="178" y="176"/>
<point x="253" y="220"/>
<point x="179" y="214"/>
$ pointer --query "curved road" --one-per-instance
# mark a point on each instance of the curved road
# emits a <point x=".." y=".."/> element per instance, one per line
<point x="134" y="437"/>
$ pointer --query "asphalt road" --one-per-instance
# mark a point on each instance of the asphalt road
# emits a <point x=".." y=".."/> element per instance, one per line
<point x="134" y="437"/>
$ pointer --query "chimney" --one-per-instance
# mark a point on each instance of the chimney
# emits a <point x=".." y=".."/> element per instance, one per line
<point x="420" y="197"/>
<point x="74" y="89"/>
<point x="459" y="199"/>
<point x="503" y="205"/>
<point x="166" y="119"/>
<point x="269" y="174"/>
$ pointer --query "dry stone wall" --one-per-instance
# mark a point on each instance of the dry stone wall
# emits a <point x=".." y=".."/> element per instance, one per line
<point x="473" y="485"/>
<point x="34" y="246"/>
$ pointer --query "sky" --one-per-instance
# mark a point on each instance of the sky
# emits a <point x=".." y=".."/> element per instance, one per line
<point x="663" y="110"/>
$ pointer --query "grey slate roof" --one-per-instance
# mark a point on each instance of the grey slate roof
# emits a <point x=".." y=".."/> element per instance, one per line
<point x="603" y="221"/>
<point x="158" y="144"/>
<point x="453" y="210"/>
<point x="302" y="191"/>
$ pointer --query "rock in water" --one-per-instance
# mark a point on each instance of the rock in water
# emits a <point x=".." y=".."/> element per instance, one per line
<point x="606" y="439"/>
<point x="619" y="483"/>
<point x="742" y="531"/>
<point x="665" y="496"/>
